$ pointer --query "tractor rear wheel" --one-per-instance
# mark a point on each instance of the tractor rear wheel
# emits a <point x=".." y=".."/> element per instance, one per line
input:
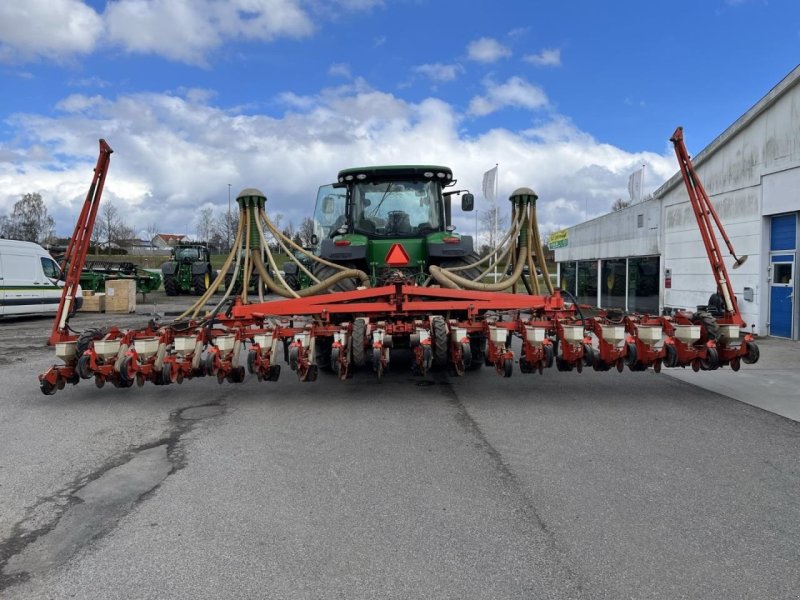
<point x="709" y="323"/>
<point x="472" y="273"/>
<point x="323" y="272"/>
<point x="170" y="285"/>
<point x="86" y="337"/>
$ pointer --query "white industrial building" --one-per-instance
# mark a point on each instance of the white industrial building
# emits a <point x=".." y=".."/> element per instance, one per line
<point x="649" y="257"/>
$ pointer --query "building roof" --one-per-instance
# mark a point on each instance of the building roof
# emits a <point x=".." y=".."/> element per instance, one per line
<point x="786" y="84"/>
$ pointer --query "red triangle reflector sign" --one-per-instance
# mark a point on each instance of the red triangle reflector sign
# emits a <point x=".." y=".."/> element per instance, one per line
<point x="397" y="256"/>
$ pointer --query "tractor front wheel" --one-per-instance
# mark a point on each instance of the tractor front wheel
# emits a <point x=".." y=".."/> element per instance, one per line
<point x="170" y="286"/>
<point x="200" y="283"/>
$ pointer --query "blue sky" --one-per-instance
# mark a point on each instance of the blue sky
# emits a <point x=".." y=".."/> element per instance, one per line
<point x="568" y="97"/>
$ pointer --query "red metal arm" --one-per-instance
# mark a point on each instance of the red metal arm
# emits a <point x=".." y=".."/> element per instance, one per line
<point x="704" y="212"/>
<point x="78" y="246"/>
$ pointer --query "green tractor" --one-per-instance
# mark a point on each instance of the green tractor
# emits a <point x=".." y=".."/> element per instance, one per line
<point x="188" y="270"/>
<point x="391" y="222"/>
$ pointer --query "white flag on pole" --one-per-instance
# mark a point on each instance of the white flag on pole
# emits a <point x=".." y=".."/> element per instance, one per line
<point x="635" y="186"/>
<point x="489" y="179"/>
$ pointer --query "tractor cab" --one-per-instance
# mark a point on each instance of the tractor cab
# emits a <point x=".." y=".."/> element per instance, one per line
<point x="387" y="220"/>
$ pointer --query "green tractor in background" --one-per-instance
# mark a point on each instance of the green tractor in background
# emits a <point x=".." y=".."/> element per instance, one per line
<point x="390" y="222"/>
<point x="188" y="270"/>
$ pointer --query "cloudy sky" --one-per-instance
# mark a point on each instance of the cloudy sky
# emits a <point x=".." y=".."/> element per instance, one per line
<point x="569" y="98"/>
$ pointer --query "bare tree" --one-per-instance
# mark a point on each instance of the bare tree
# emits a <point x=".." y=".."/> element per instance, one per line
<point x="225" y="228"/>
<point x="492" y="223"/>
<point x="152" y="231"/>
<point x="204" y="223"/>
<point x="306" y="231"/>
<point x="110" y="227"/>
<point x="619" y="204"/>
<point x="28" y="220"/>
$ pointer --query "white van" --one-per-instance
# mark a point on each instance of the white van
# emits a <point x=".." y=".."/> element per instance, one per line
<point x="30" y="280"/>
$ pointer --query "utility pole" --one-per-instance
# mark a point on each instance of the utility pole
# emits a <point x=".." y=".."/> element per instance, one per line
<point x="228" y="224"/>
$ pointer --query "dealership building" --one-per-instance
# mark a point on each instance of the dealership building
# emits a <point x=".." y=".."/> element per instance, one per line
<point x="649" y="257"/>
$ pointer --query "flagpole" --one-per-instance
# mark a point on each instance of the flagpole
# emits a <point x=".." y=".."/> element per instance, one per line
<point x="496" y="180"/>
<point x="641" y="187"/>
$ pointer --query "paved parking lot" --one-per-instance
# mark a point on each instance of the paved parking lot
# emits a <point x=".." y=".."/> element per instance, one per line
<point x="564" y="485"/>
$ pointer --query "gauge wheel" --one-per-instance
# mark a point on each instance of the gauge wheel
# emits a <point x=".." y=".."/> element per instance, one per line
<point x="358" y="339"/>
<point x="439" y="341"/>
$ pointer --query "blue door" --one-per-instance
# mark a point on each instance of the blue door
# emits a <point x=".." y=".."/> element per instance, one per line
<point x="783" y="244"/>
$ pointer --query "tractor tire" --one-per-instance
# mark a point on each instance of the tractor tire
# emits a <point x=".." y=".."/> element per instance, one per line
<point x="439" y="341"/>
<point x="86" y="338"/>
<point x="709" y="323"/>
<point x="753" y="354"/>
<point x="292" y="282"/>
<point x="472" y="273"/>
<point x="170" y="286"/>
<point x="200" y="283"/>
<point x="322" y="272"/>
<point x="357" y="342"/>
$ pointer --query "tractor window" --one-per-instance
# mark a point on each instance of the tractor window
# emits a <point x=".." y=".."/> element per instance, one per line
<point x="329" y="212"/>
<point x="396" y="208"/>
<point x="187" y="254"/>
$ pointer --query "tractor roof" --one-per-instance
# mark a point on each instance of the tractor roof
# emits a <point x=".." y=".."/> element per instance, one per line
<point x="396" y="172"/>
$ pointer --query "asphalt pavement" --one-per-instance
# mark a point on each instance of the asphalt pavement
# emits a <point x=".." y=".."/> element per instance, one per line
<point x="773" y="383"/>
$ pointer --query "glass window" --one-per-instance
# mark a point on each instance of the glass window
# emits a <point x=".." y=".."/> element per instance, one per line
<point x="643" y="284"/>
<point x="613" y="282"/>
<point x="568" y="273"/>
<point x="783" y="273"/>
<point x="50" y="268"/>
<point x="329" y="211"/>
<point x="587" y="282"/>
<point x="396" y="208"/>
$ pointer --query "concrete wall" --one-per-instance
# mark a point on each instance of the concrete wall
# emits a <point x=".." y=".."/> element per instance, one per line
<point x="615" y="235"/>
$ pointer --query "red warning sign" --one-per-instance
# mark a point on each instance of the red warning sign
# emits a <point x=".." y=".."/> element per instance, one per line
<point x="397" y="256"/>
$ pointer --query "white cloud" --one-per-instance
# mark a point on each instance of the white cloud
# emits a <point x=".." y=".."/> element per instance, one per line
<point x="63" y="28"/>
<point x="546" y="58"/>
<point x="487" y="50"/>
<point x="175" y="153"/>
<point x="439" y="72"/>
<point x="186" y="30"/>
<point x="515" y="92"/>
<point x="340" y="70"/>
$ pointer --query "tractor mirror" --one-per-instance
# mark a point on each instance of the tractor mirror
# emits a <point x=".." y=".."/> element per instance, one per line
<point x="467" y="202"/>
<point x="314" y="239"/>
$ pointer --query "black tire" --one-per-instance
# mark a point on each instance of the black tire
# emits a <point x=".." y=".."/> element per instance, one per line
<point x="251" y="362"/>
<point x="711" y="360"/>
<point x="471" y="273"/>
<point x="670" y="356"/>
<point x="323" y="272"/>
<point x="753" y="354"/>
<point x="82" y="368"/>
<point x="477" y="345"/>
<point x="357" y="341"/>
<point x="439" y="341"/>
<point x="709" y="324"/>
<point x="170" y="286"/>
<point x="200" y="283"/>
<point x="292" y="282"/>
<point x="630" y="354"/>
<point x="322" y="351"/>
<point x="86" y="338"/>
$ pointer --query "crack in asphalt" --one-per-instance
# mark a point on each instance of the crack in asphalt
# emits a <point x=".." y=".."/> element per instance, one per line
<point x="528" y="511"/>
<point x="58" y="526"/>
